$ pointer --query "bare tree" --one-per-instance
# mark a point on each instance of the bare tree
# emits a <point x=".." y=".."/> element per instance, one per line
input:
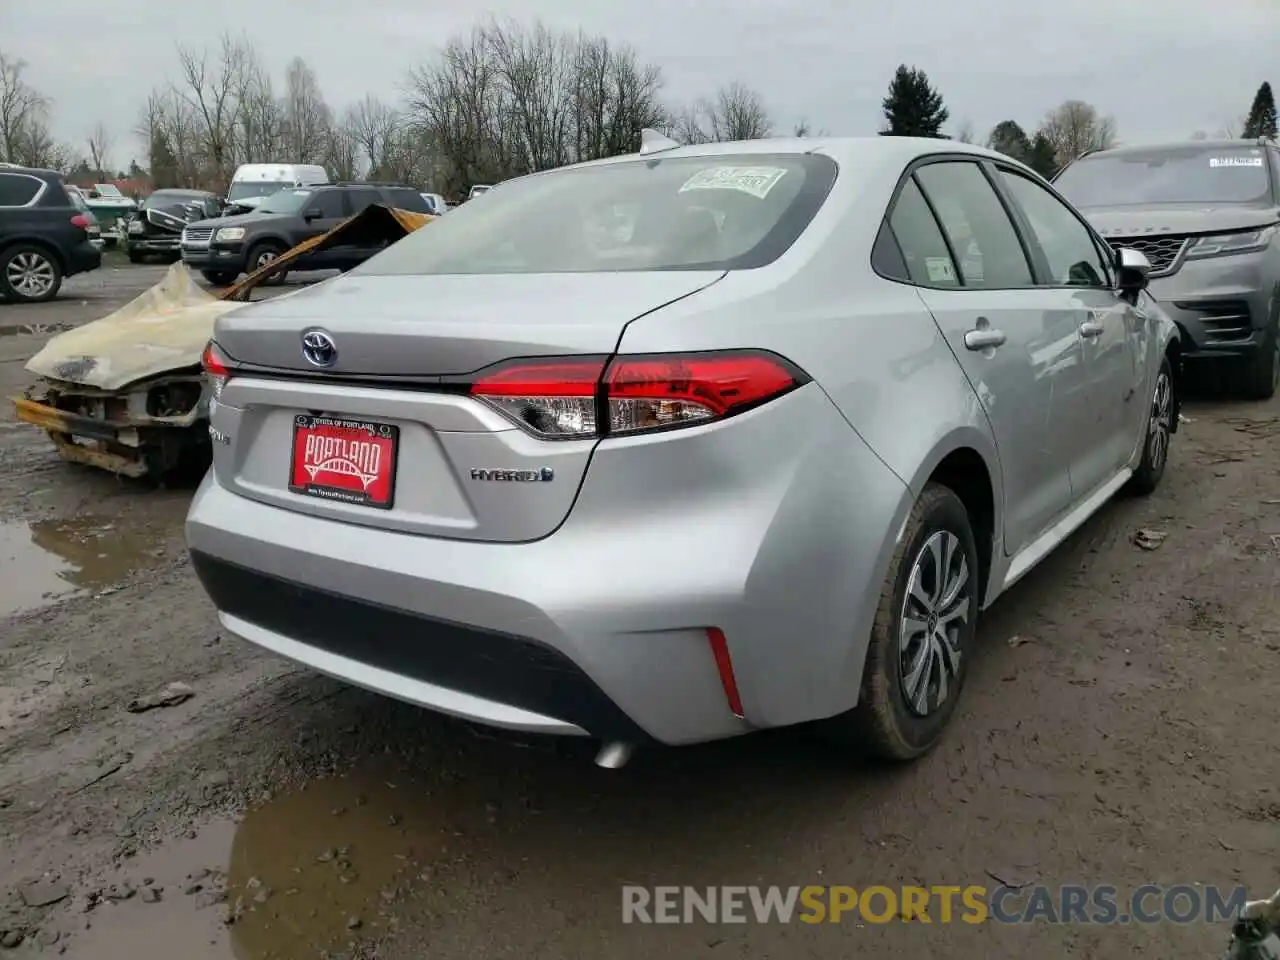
<point x="99" y="143"/>
<point x="1230" y="130"/>
<point x="1075" y="127"/>
<point x="1199" y="135"/>
<point x="211" y="87"/>
<point x="22" y="110"/>
<point x="738" y="113"/>
<point x="506" y="99"/>
<point x="965" y="133"/>
<point x="373" y="124"/>
<point x="261" y="116"/>
<point x="342" y="152"/>
<point x="307" y="118"/>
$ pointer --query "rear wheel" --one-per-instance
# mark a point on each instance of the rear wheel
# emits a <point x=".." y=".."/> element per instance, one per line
<point x="219" y="278"/>
<point x="29" y="274"/>
<point x="1262" y="373"/>
<point x="261" y="255"/>
<point x="923" y="633"/>
<point x="136" y="257"/>
<point x="1155" y="446"/>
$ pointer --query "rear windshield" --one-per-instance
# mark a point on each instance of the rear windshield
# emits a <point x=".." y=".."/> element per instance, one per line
<point x="681" y="213"/>
<point x="1179" y="175"/>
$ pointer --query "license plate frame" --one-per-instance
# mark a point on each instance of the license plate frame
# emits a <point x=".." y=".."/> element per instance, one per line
<point x="302" y="476"/>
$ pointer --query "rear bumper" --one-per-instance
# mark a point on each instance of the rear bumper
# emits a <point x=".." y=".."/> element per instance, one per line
<point x="84" y="257"/>
<point x="599" y="628"/>
<point x="511" y="681"/>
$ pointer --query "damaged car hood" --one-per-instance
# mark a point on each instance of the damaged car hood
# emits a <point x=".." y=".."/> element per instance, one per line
<point x="163" y="330"/>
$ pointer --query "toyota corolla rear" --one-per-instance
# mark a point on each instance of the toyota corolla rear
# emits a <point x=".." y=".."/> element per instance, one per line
<point x="444" y="476"/>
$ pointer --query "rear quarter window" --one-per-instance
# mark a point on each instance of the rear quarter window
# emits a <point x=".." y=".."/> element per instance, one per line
<point x="409" y="200"/>
<point x="19" y="189"/>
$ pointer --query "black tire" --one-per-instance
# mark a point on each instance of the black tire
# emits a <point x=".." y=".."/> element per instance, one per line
<point x="884" y="723"/>
<point x="219" y="278"/>
<point x="1159" y="431"/>
<point x="269" y="250"/>
<point x="29" y="274"/>
<point x="136" y="257"/>
<point x="1262" y="370"/>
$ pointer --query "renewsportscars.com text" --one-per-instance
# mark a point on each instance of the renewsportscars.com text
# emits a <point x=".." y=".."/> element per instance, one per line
<point x="971" y="904"/>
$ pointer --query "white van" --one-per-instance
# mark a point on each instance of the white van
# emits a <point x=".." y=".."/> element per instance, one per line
<point x="254" y="182"/>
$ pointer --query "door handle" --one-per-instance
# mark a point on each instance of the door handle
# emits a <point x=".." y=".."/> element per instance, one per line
<point x="1090" y="329"/>
<point x="983" y="337"/>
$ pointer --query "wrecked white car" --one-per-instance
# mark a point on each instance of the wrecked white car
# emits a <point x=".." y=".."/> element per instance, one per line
<point x="126" y="393"/>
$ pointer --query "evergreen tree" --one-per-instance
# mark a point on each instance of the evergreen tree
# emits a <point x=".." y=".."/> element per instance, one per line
<point x="1009" y="138"/>
<point x="1262" y="115"/>
<point x="1043" y="159"/>
<point x="913" y="108"/>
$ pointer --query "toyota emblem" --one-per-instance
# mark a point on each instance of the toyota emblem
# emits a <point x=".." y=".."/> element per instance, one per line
<point x="319" y="349"/>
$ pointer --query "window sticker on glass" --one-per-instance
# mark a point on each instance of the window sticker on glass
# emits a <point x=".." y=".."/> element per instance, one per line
<point x="940" y="269"/>
<point x="1235" y="161"/>
<point x="756" y="181"/>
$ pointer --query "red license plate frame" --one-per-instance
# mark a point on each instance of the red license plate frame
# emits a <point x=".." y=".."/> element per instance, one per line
<point x="345" y="460"/>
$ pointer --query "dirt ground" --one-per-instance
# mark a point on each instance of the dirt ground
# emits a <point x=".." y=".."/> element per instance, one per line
<point x="1118" y="728"/>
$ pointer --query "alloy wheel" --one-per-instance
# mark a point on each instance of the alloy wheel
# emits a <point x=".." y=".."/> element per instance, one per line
<point x="935" y="613"/>
<point x="1161" y="422"/>
<point x="30" y="274"/>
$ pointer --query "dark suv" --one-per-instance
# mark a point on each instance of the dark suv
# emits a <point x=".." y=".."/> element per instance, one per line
<point x="43" y="236"/>
<point x="1207" y="216"/>
<point x="155" y="229"/>
<point x="226" y="247"/>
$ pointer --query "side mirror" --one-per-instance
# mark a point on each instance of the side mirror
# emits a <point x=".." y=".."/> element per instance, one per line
<point x="1134" y="270"/>
<point x="315" y="213"/>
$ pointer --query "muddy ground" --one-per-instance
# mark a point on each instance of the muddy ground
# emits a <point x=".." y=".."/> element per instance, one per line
<point x="1118" y="728"/>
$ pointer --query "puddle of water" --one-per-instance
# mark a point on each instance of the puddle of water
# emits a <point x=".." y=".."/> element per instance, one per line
<point x="46" y="560"/>
<point x="308" y="872"/>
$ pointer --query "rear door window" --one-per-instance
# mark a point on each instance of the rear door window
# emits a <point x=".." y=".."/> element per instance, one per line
<point x="18" y="189"/>
<point x="409" y="200"/>
<point x="329" y="203"/>
<point x="929" y="261"/>
<point x="362" y="197"/>
<point x="985" y="242"/>
<point x="1067" y="243"/>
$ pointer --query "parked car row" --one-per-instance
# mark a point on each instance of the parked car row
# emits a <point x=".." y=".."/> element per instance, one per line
<point x="834" y="397"/>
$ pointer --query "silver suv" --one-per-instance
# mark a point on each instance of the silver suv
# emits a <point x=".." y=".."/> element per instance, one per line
<point x="1205" y="213"/>
<point x="677" y="446"/>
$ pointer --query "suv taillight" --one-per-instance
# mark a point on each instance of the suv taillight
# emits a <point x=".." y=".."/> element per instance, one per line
<point x="81" y="221"/>
<point x="216" y="367"/>
<point x="567" y="398"/>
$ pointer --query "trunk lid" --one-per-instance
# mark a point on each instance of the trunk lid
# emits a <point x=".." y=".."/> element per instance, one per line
<point x="418" y="327"/>
<point x="450" y="465"/>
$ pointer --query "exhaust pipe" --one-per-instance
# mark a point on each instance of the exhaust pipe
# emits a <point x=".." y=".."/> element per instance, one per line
<point x="613" y="756"/>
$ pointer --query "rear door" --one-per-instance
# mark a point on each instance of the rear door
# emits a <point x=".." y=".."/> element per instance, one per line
<point x="1114" y="336"/>
<point x="1021" y="356"/>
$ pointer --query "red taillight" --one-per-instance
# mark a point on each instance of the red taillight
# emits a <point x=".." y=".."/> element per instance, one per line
<point x="216" y="367"/>
<point x="81" y="221"/>
<point x="581" y="397"/>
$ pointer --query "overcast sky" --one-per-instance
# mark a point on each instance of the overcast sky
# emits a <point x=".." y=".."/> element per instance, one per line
<point x="1163" y="68"/>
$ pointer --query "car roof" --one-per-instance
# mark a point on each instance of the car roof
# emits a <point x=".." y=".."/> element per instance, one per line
<point x="1175" y="146"/>
<point x="32" y="171"/>
<point x="846" y="151"/>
